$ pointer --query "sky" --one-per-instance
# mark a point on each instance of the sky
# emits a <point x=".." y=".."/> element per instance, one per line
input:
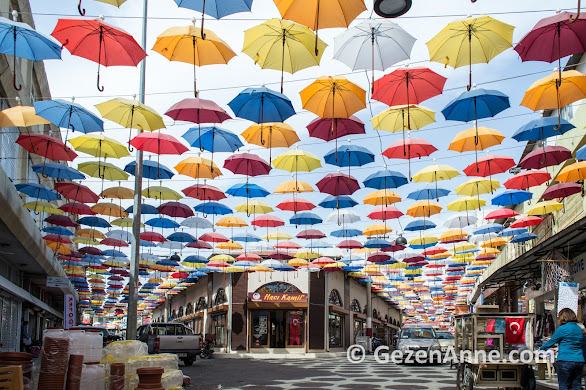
<point x="169" y="82"/>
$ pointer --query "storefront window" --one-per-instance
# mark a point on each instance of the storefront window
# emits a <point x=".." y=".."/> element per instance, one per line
<point x="201" y="304"/>
<point x="260" y="328"/>
<point x="219" y="327"/>
<point x="278" y="328"/>
<point x="336" y="326"/>
<point x="359" y="328"/>
<point x="355" y="306"/>
<point x="295" y="325"/>
<point x="220" y="297"/>
<point x="335" y="298"/>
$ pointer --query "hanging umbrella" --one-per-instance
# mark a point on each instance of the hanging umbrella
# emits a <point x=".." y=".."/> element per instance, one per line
<point x="46" y="146"/>
<point x="150" y="170"/>
<point x="69" y="115"/>
<point x="76" y="208"/>
<point x="98" y="145"/>
<point x="337" y="13"/>
<point x="37" y="191"/>
<point x="434" y="173"/>
<point x="158" y="143"/>
<point x="562" y="190"/>
<point x="231" y="222"/>
<point x="212" y="139"/>
<point x="477" y="186"/>
<point x="282" y="45"/>
<point x="254" y="207"/>
<point x="305" y="218"/>
<point x="247" y="164"/>
<point x="470" y="41"/>
<point x="21" y="40"/>
<point x="40" y="206"/>
<point x="162" y="222"/>
<point x="267" y="221"/>
<point x="373" y="45"/>
<point x="279" y="135"/>
<point x="338" y="184"/>
<point x="61" y="220"/>
<point x="322" y="128"/>
<point x="422" y="224"/>
<point x="109" y="209"/>
<point x="105" y="171"/>
<point x="476" y="139"/>
<point x="544" y="207"/>
<point x="161" y="193"/>
<point x="476" y="104"/>
<point x="198" y="168"/>
<point x="385" y="212"/>
<point x="349" y="156"/>
<point x="204" y="192"/>
<point x="296" y="205"/>
<point x="194" y="46"/>
<point x="523" y="237"/>
<point x="385" y="179"/>
<point x="511" y="198"/>
<point x="98" y="41"/>
<point x="489" y="165"/>
<point x="346" y="233"/>
<point x="146" y="209"/>
<point x="526" y="221"/>
<point x="76" y="192"/>
<point x="338" y="202"/>
<point x="382" y="198"/>
<point x="377" y="230"/>
<point x="545" y="156"/>
<point x="428" y="193"/>
<point x="296" y="161"/>
<point x="333" y="97"/>
<point x="528" y="179"/>
<point x="424" y="208"/>
<point x="542" y="128"/>
<point x="58" y="171"/>
<point x="503" y="213"/>
<point x="573" y="172"/>
<point x="408" y="149"/>
<point x="293" y="186"/>
<point x="175" y="210"/>
<point x="466" y="203"/>
<point x="262" y="105"/>
<point x="20" y="116"/>
<point x="215" y="8"/>
<point x="197" y="111"/>
<point x="247" y="190"/>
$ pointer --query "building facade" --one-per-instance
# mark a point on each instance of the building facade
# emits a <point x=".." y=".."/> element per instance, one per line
<point x="295" y="312"/>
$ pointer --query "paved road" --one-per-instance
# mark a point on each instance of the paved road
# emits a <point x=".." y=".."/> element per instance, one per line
<point x="327" y="373"/>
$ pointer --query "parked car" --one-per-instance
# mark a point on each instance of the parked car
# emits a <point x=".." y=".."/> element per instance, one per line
<point x="446" y="340"/>
<point x="106" y="335"/>
<point x="414" y="338"/>
<point x="169" y="337"/>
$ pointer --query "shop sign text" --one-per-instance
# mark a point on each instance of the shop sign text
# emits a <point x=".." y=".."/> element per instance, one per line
<point x="277" y="297"/>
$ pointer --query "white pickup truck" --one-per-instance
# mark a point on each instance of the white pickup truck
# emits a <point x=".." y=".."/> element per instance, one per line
<point x="169" y="337"/>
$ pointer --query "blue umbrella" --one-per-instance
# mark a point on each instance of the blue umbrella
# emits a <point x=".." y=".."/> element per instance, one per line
<point x="377" y="243"/>
<point x="476" y="104"/>
<point x="419" y="224"/>
<point x="58" y="171"/>
<point x="524" y="237"/>
<point x="542" y="128"/>
<point x="428" y="193"/>
<point x="145" y="209"/>
<point x="198" y="274"/>
<point x="147" y="244"/>
<point x="216" y="8"/>
<point x="305" y="218"/>
<point x="213" y="139"/>
<point x="511" y="198"/>
<point x="113" y="253"/>
<point x="181" y="237"/>
<point x="349" y="156"/>
<point x="94" y="222"/>
<point x="581" y="154"/>
<point x="214" y="208"/>
<point x="246" y="237"/>
<point x="247" y="190"/>
<point x="21" y="40"/>
<point x="385" y="179"/>
<point x="512" y="232"/>
<point x="38" y="191"/>
<point x="162" y="222"/>
<point x="488" y="228"/>
<point x="346" y="233"/>
<point x="151" y="170"/>
<point x="58" y="230"/>
<point x="69" y="115"/>
<point x="338" y="202"/>
<point x="168" y="263"/>
<point x="261" y="105"/>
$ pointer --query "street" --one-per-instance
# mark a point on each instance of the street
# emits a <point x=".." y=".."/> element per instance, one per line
<point x="324" y="373"/>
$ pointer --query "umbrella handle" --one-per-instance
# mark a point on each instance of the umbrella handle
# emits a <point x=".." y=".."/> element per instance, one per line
<point x="81" y="10"/>
<point x="100" y="88"/>
<point x="572" y="19"/>
<point x="19" y="87"/>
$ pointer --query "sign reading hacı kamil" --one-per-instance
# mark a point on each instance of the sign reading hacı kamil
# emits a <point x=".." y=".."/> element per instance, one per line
<point x="277" y="297"/>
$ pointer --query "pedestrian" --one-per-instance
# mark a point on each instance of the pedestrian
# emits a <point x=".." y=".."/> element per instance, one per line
<point x="570" y="358"/>
<point x="25" y="338"/>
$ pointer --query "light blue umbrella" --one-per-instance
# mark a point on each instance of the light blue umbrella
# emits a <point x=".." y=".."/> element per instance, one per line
<point x="215" y="8"/>
<point x="305" y="218"/>
<point x="489" y="228"/>
<point x="385" y="179"/>
<point x="246" y="237"/>
<point x="419" y="224"/>
<point x="58" y="230"/>
<point x="213" y="139"/>
<point x="349" y="156"/>
<point x="346" y="233"/>
<point x="511" y="197"/>
<point x="512" y="232"/>
<point x="542" y="128"/>
<point x="247" y="190"/>
<point x="338" y="202"/>
<point x="428" y="193"/>
<point x="69" y="115"/>
<point x="162" y="222"/>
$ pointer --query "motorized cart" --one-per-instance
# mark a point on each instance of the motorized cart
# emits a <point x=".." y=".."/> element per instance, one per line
<point x="502" y="337"/>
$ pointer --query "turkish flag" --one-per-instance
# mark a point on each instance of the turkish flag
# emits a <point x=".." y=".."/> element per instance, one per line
<point x="515" y="331"/>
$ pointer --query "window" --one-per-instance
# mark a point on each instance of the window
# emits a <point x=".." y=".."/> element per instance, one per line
<point x="336" y="326"/>
<point x="374" y="313"/>
<point x="220" y="297"/>
<point x="219" y="329"/>
<point x="335" y="298"/>
<point x="189" y="309"/>
<point x="355" y="306"/>
<point x="418" y="333"/>
<point x="278" y="287"/>
<point x="201" y="304"/>
<point x="180" y="312"/>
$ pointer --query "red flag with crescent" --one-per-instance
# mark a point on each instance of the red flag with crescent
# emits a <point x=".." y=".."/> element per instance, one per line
<point x="515" y="333"/>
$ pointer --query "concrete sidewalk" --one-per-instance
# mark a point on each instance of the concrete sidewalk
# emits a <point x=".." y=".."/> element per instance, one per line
<point x="268" y="355"/>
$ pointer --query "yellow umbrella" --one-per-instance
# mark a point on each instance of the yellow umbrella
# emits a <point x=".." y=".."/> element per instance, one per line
<point x="260" y="268"/>
<point x="198" y="168"/>
<point x="403" y="117"/>
<point x="98" y="145"/>
<point x="470" y="41"/>
<point x="110" y="209"/>
<point x="434" y="173"/>
<point x="316" y="14"/>
<point x="442" y="255"/>
<point x="160" y="192"/>
<point x="306" y="254"/>
<point x="103" y="170"/>
<point x="333" y="97"/>
<point x="116" y="3"/>
<point x="292" y="186"/>
<point x="118" y="193"/>
<point x="277" y="235"/>
<point x="363" y="250"/>
<point x="477" y="186"/>
<point x="282" y="45"/>
<point x="466" y="203"/>
<point x="193" y="45"/>
<point x="494" y="242"/>
<point x="90" y="233"/>
<point x="297" y="161"/>
<point x="382" y="198"/>
<point x="476" y="139"/>
<point x="462" y="247"/>
<point x="276" y="135"/>
<point x="41" y="206"/>
<point x="21" y="116"/>
<point x="297" y="262"/>
<point x="545" y="207"/>
<point x="488" y="252"/>
<point x="231" y="222"/>
<point x="222" y="257"/>
<point x="424" y="240"/>
<point x="424" y="208"/>
<point x="253" y="206"/>
<point x="85" y="241"/>
<point x="229" y="246"/>
<point x="377" y="230"/>
<point x="124" y="222"/>
<point x="233" y="269"/>
<point x="573" y="172"/>
<point x="453" y="235"/>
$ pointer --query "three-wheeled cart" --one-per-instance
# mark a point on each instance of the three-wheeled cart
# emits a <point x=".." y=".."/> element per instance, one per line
<point x="487" y="332"/>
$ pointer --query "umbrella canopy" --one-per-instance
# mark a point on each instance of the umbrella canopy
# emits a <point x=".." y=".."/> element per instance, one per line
<point x="338" y="202"/>
<point x="293" y="186"/>
<point x="424" y="208"/>
<point x="103" y="170"/>
<point x="542" y="128"/>
<point x="573" y="172"/>
<point x="385" y="179"/>
<point x="489" y="165"/>
<point x="198" y="168"/>
<point x="322" y="127"/>
<point x="296" y="205"/>
<point x="545" y="156"/>
<point x="428" y="193"/>
<point x="333" y="97"/>
<point x="382" y="198"/>
<point x="476" y="139"/>
<point x="466" y="203"/>
<point x="275" y="135"/>
<point x="98" y="145"/>
<point x="501" y="214"/>
<point x="562" y="190"/>
<point x="305" y="218"/>
<point x="158" y="143"/>
<point x="247" y="190"/>
<point x="544" y="207"/>
<point x="61" y="220"/>
<point x="247" y="164"/>
<point x="385" y="212"/>
<point x="477" y="186"/>
<point x="526" y="221"/>
<point x="476" y="104"/>
<point x="37" y="191"/>
<point x="267" y="221"/>
<point x="511" y="198"/>
<point x="69" y="115"/>
<point x="20" y="116"/>
<point x="254" y="207"/>
<point x="197" y="111"/>
<point x="175" y="209"/>
<point x="204" y="192"/>
<point x="98" y="41"/>
<point x="161" y="192"/>
<point x="213" y="139"/>
<point x="58" y="171"/>
<point x="420" y="224"/>
<point x="297" y="161"/>
<point x="151" y="170"/>
<point x="76" y="192"/>
<point x="46" y="146"/>
<point x="213" y="208"/>
<point x="528" y="179"/>
<point x="262" y="105"/>
<point x="338" y="184"/>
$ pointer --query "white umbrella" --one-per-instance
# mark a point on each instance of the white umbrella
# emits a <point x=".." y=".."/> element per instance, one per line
<point x="197" y="223"/>
<point x="149" y="257"/>
<point x="119" y="234"/>
<point x="459" y="221"/>
<point x="331" y="252"/>
<point x="342" y="217"/>
<point x="171" y="245"/>
<point x="477" y="238"/>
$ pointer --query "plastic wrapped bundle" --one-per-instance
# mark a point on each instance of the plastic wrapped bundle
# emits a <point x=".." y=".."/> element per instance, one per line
<point x="93" y="377"/>
<point x="119" y="350"/>
<point x="166" y="361"/>
<point x="172" y="379"/>
<point x="54" y="362"/>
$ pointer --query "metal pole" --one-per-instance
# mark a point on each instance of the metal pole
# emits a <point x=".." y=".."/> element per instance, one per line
<point x="369" y="310"/>
<point x="131" y="314"/>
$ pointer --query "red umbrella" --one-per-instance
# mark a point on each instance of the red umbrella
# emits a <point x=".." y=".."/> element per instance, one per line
<point x="152" y="237"/>
<point x="175" y="209"/>
<point x="197" y="111"/>
<point x="77" y="208"/>
<point x="46" y="146"/>
<point x="322" y="261"/>
<point x="295" y="205"/>
<point x="490" y="165"/>
<point x="247" y="164"/>
<point x="526" y="221"/>
<point x="561" y="190"/>
<point x="199" y="245"/>
<point x="214" y="237"/>
<point x="333" y="128"/>
<point x="408" y="149"/>
<point x="408" y="86"/>
<point x="545" y="156"/>
<point x="90" y="250"/>
<point x="338" y="184"/>
<point x="527" y="179"/>
<point x="76" y="192"/>
<point x="249" y="257"/>
<point x="280" y="256"/>
<point x="349" y="244"/>
<point x="98" y="41"/>
<point x="287" y="245"/>
<point x="61" y="220"/>
<point x="310" y="234"/>
<point x="179" y="275"/>
<point x="267" y="221"/>
<point x="378" y="257"/>
<point x="204" y="192"/>
<point x="385" y="212"/>
<point x="433" y="251"/>
<point x="159" y="143"/>
<point x="393" y="248"/>
<point x="57" y="238"/>
<point x="114" y="242"/>
<point x="501" y="213"/>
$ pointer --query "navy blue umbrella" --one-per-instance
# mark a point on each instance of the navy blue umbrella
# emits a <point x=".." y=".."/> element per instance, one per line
<point x="147" y="244"/>
<point x="305" y="218"/>
<point x="338" y="202"/>
<point x="247" y="190"/>
<point x="262" y="105"/>
<point x="195" y="259"/>
<point x="542" y="128"/>
<point x="58" y="171"/>
<point x="346" y="233"/>
<point x="144" y="210"/>
<point x="38" y="191"/>
<point x="162" y="222"/>
<point x="511" y="198"/>
<point x="428" y="193"/>
<point x="94" y="222"/>
<point x="385" y="179"/>
<point x="377" y="243"/>
<point x="523" y="237"/>
<point x="69" y="115"/>
<point x="151" y="170"/>
<point x="58" y="230"/>
<point x="419" y="224"/>
<point x="181" y="237"/>
<point x="349" y="156"/>
<point x="213" y="208"/>
<point x="476" y="104"/>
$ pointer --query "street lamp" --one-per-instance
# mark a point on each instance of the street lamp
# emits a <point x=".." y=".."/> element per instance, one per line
<point x="391" y="8"/>
<point x="401" y="241"/>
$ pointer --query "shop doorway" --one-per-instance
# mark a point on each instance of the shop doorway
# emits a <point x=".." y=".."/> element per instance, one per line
<point x="277" y="329"/>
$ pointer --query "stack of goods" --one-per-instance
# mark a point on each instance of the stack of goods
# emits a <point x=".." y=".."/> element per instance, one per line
<point x="54" y="363"/>
<point x="134" y="355"/>
<point x="22" y="359"/>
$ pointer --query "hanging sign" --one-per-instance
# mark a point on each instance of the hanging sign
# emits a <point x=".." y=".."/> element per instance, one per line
<point x="69" y="320"/>
<point x="277" y="297"/>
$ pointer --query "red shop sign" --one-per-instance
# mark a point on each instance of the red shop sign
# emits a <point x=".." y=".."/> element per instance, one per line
<point x="277" y="297"/>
